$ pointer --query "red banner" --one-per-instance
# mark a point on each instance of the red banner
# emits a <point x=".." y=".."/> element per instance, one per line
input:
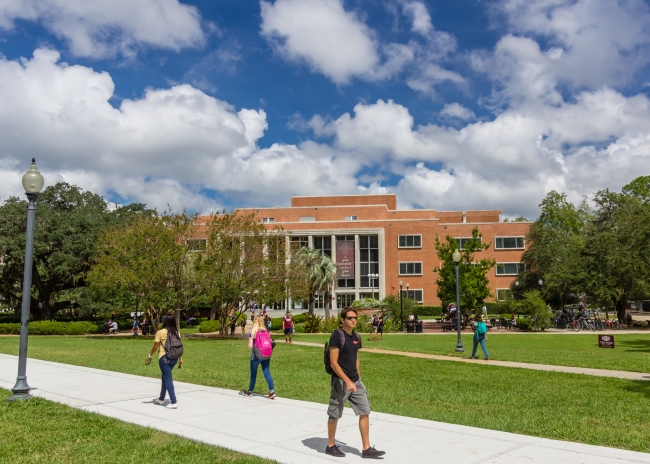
<point x="345" y="259"/>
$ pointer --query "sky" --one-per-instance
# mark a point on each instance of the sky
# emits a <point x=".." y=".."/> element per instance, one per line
<point x="213" y="104"/>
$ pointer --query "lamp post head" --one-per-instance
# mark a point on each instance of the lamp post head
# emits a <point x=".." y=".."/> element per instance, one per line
<point x="400" y="283"/>
<point x="407" y="285"/>
<point x="456" y="256"/>
<point x="32" y="179"/>
<point x="541" y="282"/>
<point x="517" y="284"/>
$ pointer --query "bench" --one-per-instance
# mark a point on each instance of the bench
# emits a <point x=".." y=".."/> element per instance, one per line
<point x="447" y="327"/>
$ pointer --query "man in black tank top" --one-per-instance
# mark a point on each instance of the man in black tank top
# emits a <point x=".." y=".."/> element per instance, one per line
<point x="346" y="385"/>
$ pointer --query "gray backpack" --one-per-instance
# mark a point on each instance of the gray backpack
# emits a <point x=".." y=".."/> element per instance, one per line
<point x="173" y="346"/>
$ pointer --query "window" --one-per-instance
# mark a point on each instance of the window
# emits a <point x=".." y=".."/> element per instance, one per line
<point x="346" y="283"/>
<point x="307" y="218"/>
<point x="509" y="243"/>
<point x="503" y="293"/>
<point x="413" y="295"/>
<point x="410" y="241"/>
<point x="343" y="300"/>
<point x="510" y="268"/>
<point x="410" y="268"/>
<point x="267" y="220"/>
<point x="324" y="244"/>
<point x="463" y="240"/>
<point x="369" y="260"/>
<point x="351" y="218"/>
<point x="196" y="244"/>
<point x="299" y="242"/>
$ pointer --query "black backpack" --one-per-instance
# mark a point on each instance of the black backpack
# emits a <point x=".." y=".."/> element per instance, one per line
<point x="173" y="346"/>
<point x="326" y="355"/>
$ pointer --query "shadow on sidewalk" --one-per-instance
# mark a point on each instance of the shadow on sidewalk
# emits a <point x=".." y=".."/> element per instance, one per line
<point x="319" y="444"/>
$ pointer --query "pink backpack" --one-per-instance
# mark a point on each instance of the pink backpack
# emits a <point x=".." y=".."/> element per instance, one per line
<point x="263" y="345"/>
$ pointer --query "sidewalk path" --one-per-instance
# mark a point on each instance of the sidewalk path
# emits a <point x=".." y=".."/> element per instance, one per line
<point x="295" y="430"/>
<point x="536" y="367"/>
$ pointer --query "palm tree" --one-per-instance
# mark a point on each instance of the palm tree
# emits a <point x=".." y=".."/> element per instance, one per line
<point x="321" y="273"/>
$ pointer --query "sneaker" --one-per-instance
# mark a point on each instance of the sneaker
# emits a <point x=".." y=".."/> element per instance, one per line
<point x="159" y="402"/>
<point x="248" y="393"/>
<point x="334" y="451"/>
<point x="172" y="406"/>
<point x="372" y="453"/>
<point x="272" y="395"/>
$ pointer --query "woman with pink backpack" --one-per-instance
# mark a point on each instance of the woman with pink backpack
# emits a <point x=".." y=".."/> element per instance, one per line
<point x="259" y="340"/>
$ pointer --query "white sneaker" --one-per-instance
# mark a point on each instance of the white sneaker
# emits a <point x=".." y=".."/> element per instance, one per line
<point x="172" y="406"/>
<point x="158" y="402"/>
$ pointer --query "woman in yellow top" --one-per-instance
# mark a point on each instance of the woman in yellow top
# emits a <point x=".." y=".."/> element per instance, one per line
<point x="259" y="326"/>
<point x="166" y="365"/>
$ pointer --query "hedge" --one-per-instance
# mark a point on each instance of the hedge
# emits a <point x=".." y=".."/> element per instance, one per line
<point x="209" y="326"/>
<point x="427" y="310"/>
<point x="52" y="328"/>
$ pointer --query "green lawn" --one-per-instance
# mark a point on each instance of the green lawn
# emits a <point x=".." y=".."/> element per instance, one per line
<point x="580" y="350"/>
<point x="554" y="405"/>
<point x="38" y="431"/>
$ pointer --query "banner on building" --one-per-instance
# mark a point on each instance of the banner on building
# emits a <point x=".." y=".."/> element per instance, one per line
<point x="345" y="259"/>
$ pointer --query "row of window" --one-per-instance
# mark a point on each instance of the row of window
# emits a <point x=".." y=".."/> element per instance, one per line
<point x="500" y="243"/>
<point x="268" y="220"/>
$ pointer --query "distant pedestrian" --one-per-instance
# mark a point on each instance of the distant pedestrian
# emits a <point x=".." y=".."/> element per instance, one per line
<point x="288" y="326"/>
<point x="346" y="385"/>
<point x="165" y="361"/>
<point x="243" y="324"/>
<point x="259" y="340"/>
<point x="375" y="326"/>
<point x="114" y="328"/>
<point x="135" y="326"/>
<point x="380" y="326"/>
<point x="484" y="312"/>
<point x="480" y="335"/>
<point x="233" y="325"/>
<point x="144" y="326"/>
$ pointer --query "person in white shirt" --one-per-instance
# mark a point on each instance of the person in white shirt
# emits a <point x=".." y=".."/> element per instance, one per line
<point x="484" y="311"/>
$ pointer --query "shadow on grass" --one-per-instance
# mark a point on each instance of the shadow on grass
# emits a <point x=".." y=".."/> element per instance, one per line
<point x="639" y="386"/>
<point x="638" y="346"/>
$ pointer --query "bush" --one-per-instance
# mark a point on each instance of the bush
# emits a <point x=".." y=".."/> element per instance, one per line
<point x="299" y="328"/>
<point x="363" y="324"/>
<point x="524" y="324"/>
<point x="52" y="328"/>
<point x="312" y="324"/>
<point x="366" y="303"/>
<point x="330" y="325"/>
<point x="276" y="323"/>
<point x="426" y="310"/>
<point x="300" y="318"/>
<point x="209" y="326"/>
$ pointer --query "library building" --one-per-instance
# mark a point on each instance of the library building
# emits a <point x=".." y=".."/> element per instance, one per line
<point x="376" y="245"/>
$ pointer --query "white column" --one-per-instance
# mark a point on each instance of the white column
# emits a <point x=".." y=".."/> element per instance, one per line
<point x="357" y="268"/>
<point x="310" y="241"/>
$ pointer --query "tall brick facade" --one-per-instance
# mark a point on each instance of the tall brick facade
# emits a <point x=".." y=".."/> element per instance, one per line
<point x="359" y="216"/>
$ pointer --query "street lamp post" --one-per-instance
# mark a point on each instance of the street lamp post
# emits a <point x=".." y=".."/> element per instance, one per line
<point x="372" y="278"/>
<point x="401" y="316"/>
<point x="459" y="344"/>
<point x="33" y="183"/>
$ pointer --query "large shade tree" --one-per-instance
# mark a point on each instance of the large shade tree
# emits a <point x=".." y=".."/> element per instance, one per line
<point x="68" y="222"/>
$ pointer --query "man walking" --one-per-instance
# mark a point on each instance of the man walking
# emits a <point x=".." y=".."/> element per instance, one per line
<point x="288" y="326"/>
<point x="346" y="385"/>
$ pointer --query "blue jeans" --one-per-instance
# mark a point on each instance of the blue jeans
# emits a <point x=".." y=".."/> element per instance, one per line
<point x="479" y="339"/>
<point x="265" y="369"/>
<point x="167" y="382"/>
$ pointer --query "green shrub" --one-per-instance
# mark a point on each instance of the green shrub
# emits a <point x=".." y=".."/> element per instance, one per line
<point x="299" y="328"/>
<point x="52" y="328"/>
<point x="363" y="324"/>
<point x="10" y="329"/>
<point x="425" y="311"/>
<point x="330" y="324"/>
<point x="366" y="303"/>
<point x="300" y="318"/>
<point x="391" y="325"/>
<point x="312" y="324"/>
<point x="524" y="324"/>
<point x="276" y="323"/>
<point x="209" y="326"/>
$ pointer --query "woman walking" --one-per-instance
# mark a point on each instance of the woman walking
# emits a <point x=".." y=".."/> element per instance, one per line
<point x="259" y="340"/>
<point x="166" y="365"/>
<point x="480" y="334"/>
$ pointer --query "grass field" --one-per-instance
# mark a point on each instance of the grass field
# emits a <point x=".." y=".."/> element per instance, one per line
<point x="38" y="431"/>
<point x="601" y="411"/>
<point x="580" y="350"/>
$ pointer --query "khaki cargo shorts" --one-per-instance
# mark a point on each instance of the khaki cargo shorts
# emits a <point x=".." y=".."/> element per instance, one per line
<point x="340" y="394"/>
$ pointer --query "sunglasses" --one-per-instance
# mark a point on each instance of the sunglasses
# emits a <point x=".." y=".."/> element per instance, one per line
<point x="351" y="318"/>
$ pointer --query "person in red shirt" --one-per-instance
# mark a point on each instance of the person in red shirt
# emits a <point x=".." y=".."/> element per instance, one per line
<point x="287" y="325"/>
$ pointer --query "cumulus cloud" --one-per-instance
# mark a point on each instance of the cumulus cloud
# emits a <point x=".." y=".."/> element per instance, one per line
<point x="98" y="28"/>
<point x="169" y="146"/>
<point x="458" y="111"/>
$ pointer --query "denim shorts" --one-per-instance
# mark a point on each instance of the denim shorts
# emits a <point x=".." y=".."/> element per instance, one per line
<point x="340" y="394"/>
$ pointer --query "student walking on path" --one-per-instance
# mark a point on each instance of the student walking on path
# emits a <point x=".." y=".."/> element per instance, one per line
<point x="346" y="385"/>
<point x="259" y="340"/>
<point x="166" y="362"/>
<point x="288" y="326"/>
<point x="480" y="335"/>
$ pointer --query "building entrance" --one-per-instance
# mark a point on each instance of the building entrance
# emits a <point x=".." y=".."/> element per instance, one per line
<point x="344" y="299"/>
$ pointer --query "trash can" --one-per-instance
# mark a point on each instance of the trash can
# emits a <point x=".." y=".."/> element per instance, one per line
<point x="410" y="327"/>
<point x="418" y="327"/>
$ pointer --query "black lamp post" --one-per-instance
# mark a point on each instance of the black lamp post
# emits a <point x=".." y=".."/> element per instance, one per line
<point x="33" y="184"/>
<point x="459" y="344"/>
<point x="401" y="315"/>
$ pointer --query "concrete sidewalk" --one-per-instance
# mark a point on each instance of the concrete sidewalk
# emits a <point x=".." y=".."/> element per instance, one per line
<point x="290" y="431"/>
<point x="627" y="375"/>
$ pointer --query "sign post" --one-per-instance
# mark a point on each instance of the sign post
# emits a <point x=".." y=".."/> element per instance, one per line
<point x="606" y="341"/>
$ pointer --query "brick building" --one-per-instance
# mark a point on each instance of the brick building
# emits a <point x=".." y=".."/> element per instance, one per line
<point x="367" y="234"/>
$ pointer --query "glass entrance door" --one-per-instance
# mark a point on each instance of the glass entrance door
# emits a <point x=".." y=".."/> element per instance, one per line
<point x="344" y="299"/>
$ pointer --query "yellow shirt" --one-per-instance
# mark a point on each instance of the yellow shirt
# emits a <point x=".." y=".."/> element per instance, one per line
<point x="161" y="338"/>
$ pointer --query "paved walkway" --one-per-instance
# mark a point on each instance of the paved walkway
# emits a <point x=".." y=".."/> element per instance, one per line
<point x="537" y="367"/>
<point x="295" y="430"/>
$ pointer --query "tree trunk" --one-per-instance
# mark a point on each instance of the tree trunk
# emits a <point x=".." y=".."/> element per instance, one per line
<point x="311" y="305"/>
<point x="213" y="310"/>
<point x="177" y="315"/>
<point x="621" y="306"/>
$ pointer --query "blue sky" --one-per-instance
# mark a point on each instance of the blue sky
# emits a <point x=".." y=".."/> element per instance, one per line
<point x="472" y="104"/>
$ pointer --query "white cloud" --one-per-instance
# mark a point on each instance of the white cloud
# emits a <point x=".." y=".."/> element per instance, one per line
<point x="99" y="28"/>
<point x="456" y="110"/>
<point x="420" y="17"/>
<point x="170" y="146"/>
